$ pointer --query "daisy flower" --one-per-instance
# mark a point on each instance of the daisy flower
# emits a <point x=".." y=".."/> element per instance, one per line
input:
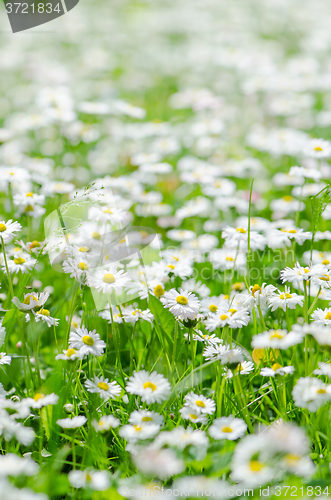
<point x="258" y="295"/>
<point x="31" y="300"/>
<point x="203" y="337"/>
<point x="105" y="423"/>
<point x="184" y="304"/>
<point x="18" y="263"/>
<point x="4" y="359"/>
<point x="296" y="275"/>
<point x="210" y="305"/>
<point x="284" y="300"/>
<point x="8" y="230"/>
<point x="200" y="403"/>
<point x="68" y="355"/>
<point x="44" y="315"/>
<point x="72" y="423"/>
<point x="76" y="268"/>
<point x="151" y="387"/>
<point x="193" y="414"/>
<point x="311" y="393"/>
<point x="243" y="368"/>
<point x="276" y="369"/>
<point x="160" y="463"/>
<point x="323" y="279"/>
<point x="235" y="318"/>
<point x="102" y="386"/>
<point x="97" y="480"/>
<point x="117" y="316"/>
<point x="39" y="400"/>
<point x="108" y="279"/>
<point x="134" y="433"/>
<point x="87" y="342"/>
<point x="224" y="354"/>
<point x="139" y="417"/>
<point x="227" y="428"/>
<point x="322" y="317"/>
<point x="277" y="339"/>
<point x="237" y="237"/>
<point x="131" y="315"/>
<point x="318" y="148"/>
<point x="13" y="465"/>
<point x="250" y="462"/>
<point x="108" y="214"/>
<point x="324" y="369"/>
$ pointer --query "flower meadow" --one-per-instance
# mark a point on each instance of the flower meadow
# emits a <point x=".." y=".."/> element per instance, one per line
<point x="165" y="255"/>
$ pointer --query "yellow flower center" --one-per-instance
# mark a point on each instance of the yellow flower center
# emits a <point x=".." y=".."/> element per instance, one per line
<point x="212" y="308"/>
<point x="318" y="148"/>
<point x="171" y="266"/>
<point x="28" y="298"/>
<point x="108" y="278"/>
<point x="19" y="260"/>
<point x="29" y="195"/>
<point x="237" y="286"/>
<point x="256" y="466"/>
<point x="193" y="417"/>
<point x="38" y="396"/>
<point x="2" y="228"/>
<point x="35" y="244"/>
<point x="227" y="430"/>
<point x="83" y="249"/>
<point x="328" y="315"/>
<point x="70" y="352"/>
<point x="147" y="419"/>
<point x="137" y="428"/>
<point x="241" y="230"/>
<point x="87" y="339"/>
<point x="292" y="231"/>
<point x="159" y="291"/>
<point x="44" y="312"/>
<point x="277" y="335"/>
<point x="88" y="478"/>
<point x="230" y="259"/>
<point x="292" y="459"/>
<point x="276" y="366"/>
<point x="232" y="311"/>
<point x="285" y="296"/>
<point x="107" y="211"/>
<point x="83" y="266"/>
<point x="200" y="403"/>
<point x="103" y="386"/>
<point x="256" y="288"/>
<point x="325" y="262"/>
<point x="287" y="198"/>
<point x="223" y="317"/>
<point x="321" y="391"/>
<point x="325" y="277"/>
<point x="96" y="235"/>
<point x="181" y="300"/>
<point x="149" y="385"/>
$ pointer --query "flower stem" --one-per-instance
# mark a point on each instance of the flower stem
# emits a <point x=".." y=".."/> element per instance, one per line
<point x="8" y="274"/>
<point x="261" y="318"/>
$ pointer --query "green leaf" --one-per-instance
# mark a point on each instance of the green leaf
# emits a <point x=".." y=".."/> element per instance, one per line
<point x="9" y="316"/>
<point x="7" y="322"/>
<point x="166" y="319"/>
